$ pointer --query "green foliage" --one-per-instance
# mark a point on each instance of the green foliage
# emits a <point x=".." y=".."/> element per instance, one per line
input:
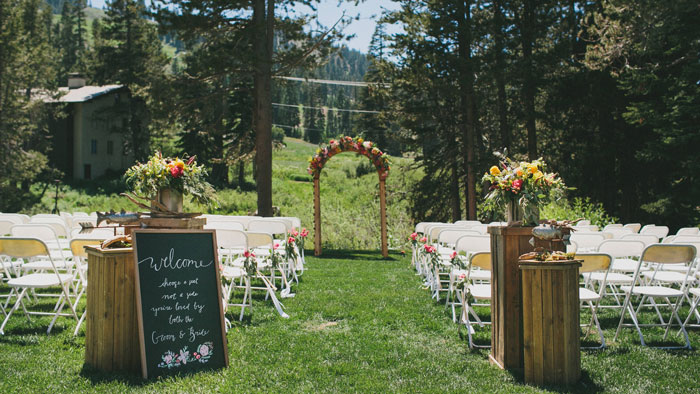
<point x="577" y="208"/>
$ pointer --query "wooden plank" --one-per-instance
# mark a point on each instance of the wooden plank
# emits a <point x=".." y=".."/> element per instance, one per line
<point x="559" y="292"/>
<point x="317" y="216"/>
<point x="382" y="215"/>
<point x="538" y="360"/>
<point x="118" y="345"/>
<point x="90" y="313"/>
<point x="547" y="324"/>
<point x="528" y="356"/>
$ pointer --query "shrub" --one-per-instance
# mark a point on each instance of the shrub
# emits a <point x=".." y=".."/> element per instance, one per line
<point x="578" y="208"/>
<point x="277" y="134"/>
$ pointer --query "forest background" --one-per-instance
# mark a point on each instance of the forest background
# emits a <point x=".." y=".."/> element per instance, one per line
<point x="607" y="92"/>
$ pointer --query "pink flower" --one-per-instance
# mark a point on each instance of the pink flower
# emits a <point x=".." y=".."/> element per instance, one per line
<point x="424" y="239"/>
<point x="462" y="276"/>
<point x="413" y="236"/>
<point x="518" y="184"/>
<point x="176" y="171"/>
<point x="248" y="254"/>
<point x="276" y="245"/>
<point x="294" y="232"/>
<point x="453" y="255"/>
<point x="290" y="240"/>
<point x="429" y="248"/>
<point x="304" y="232"/>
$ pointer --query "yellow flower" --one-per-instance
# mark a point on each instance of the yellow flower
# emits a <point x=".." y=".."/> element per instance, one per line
<point x="537" y="175"/>
<point x="495" y="171"/>
<point x="533" y="168"/>
<point x="360" y="140"/>
<point x="519" y="171"/>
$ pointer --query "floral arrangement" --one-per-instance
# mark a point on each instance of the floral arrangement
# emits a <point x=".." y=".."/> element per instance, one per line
<point x="187" y="177"/>
<point x="348" y="144"/>
<point x="170" y="359"/>
<point x="524" y="183"/>
<point x="275" y="256"/>
<point x="250" y="264"/>
<point x="431" y="253"/>
<point x="457" y="261"/>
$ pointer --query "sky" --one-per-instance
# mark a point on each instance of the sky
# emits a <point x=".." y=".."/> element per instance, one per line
<point x="329" y="11"/>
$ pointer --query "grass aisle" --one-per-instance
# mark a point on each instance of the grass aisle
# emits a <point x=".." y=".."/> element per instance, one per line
<point x="358" y="324"/>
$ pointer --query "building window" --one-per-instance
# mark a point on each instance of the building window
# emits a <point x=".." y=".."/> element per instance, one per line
<point x="87" y="171"/>
<point x="93" y="147"/>
<point x="110" y="148"/>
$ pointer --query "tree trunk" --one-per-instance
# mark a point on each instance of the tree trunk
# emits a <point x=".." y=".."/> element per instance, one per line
<point x="263" y="23"/>
<point x="526" y="36"/>
<point x="466" y="82"/>
<point x="498" y="25"/>
<point x="241" y="174"/>
<point x="454" y="192"/>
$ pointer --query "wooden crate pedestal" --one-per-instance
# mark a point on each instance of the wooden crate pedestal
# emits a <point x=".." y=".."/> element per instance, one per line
<point x="111" y="332"/>
<point x="552" y="347"/>
<point x="507" y="244"/>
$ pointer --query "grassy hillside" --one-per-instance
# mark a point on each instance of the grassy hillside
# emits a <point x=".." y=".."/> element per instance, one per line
<point x="349" y="203"/>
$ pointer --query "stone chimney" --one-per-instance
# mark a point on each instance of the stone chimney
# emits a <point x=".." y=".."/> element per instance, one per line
<point x="75" y="81"/>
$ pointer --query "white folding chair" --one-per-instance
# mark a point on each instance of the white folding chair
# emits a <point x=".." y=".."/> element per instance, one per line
<point x="17" y="218"/>
<point x="688" y="231"/>
<point x="30" y="248"/>
<point x="635" y="227"/>
<point x="473" y="293"/>
<point x="468" y="245"/>
<point x="224" y="225"/>
<point x="612" y="225"/>
<point x="659" y="231"/>
<point x="659" y="255"/>
<point x="599" y="263"/>
<point x="587" y="242"/>
<point x="618" y="232"/>
<point x="647" y="239"/>
<point x="77" y="247"/>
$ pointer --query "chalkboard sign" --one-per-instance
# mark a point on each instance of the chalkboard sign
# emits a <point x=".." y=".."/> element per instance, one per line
<point x="178" y="290"/>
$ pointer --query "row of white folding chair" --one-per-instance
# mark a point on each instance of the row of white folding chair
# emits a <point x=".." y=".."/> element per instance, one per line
<point x="658" y="256"/>
<point x="681" y="239"/>
<point x="35" y="250"/>
<point x="16" y="218"/>
<point x="659" y="231"/>
<point x="467" y="245"/>
<point x="229" y="218"/>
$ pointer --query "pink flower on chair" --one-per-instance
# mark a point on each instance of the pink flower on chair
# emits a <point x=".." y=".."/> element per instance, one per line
<point x="276" y="245"/>
<point x="453" y="255"/>
<point x="248" y="254"/>
<point x="304" y="232"/>
<point x="413" y="236"/>
<point x="424" y="239"/>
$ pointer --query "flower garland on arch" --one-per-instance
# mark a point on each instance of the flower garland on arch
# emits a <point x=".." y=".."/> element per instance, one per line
<point x="348" y="144"/>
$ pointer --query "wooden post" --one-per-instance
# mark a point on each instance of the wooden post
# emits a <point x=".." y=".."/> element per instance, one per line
<point x="507" y="244"/>
<point x="382" y="214"/>
<point x="552" y="346"/>
<point x="317" y="216"/>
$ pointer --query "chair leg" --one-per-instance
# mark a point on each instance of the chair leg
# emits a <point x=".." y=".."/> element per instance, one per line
<point x="622" y="315"/>
<point x="14" y="308"/>
<point x="693" y="309"/>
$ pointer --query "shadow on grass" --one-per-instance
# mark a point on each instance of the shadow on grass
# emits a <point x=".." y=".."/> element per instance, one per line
<point x="344" y="254"/>
<point x="97" y="377"/>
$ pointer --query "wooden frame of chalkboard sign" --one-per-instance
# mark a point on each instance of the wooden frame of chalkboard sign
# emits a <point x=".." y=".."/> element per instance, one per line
<point x="178" y="300"/>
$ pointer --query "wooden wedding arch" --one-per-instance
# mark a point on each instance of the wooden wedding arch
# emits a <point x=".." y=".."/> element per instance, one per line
<point x="361" y="147"/>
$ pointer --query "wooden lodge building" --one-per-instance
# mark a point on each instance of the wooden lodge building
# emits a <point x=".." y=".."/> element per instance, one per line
<point x="87" y="141"/>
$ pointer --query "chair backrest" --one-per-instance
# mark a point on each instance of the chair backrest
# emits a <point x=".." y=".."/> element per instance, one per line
<point x="434" y="231"/>
<point x="77" y="246"/>
<point x="95" y="233"/>
<point x="5" y="226"/>
<point x="612" y="225"/>
<point x="468" y="223"/>
<point x="622" y="248"/>
<point x="681" y="239"/>
<point x="635" y="227"/>
<point x="583" y="222"/>
<point x="43" y="232"/>
<point x="647" y="239"/>
<point x="420" y="227"/>
<point x="669" y="254"/>
<point x="688" y="231"/>
<point x="481" y="260"/>
<point x="594" y="262"/>
<point x="473" y="243"/>
<point x="23" y="247"/>
<point x="259" y="240"/>
<point x="481" y="228"/>
<point x="56" y="222"/>
<point x="587" y="241"/>
<point x="226" y="218"/>
<point x="231" y="239"/>
<point x="296" y="222"/>
<point x="618" y="232"/>
<point x="450" y="236"/>
<point x="587" y="228"/>
<point x="80" y="215"/>
<point x="16" y="218"/>
<point x="658" y="231"/>
<point x="271" y="226"/>
<point x="224" y="225"/>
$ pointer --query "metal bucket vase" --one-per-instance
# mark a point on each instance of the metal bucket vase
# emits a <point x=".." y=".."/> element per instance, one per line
<point x="514" y="213"/>
<point x="171" y="199"/>
<point x="531" y="215"/>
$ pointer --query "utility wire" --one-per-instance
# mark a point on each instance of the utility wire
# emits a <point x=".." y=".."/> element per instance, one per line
<point x="334" y="82"/>
<point x="362" y="111"/>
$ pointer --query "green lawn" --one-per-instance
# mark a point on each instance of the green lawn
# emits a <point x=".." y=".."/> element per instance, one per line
<point x="358" y="324"/>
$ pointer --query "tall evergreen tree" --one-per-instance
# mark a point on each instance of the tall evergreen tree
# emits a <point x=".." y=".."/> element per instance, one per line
<point x="129" y="52"/>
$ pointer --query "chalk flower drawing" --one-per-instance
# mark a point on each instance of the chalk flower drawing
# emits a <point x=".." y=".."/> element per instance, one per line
<point x="171" y="359"/>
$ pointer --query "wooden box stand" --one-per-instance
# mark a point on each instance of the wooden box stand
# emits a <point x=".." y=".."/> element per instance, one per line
<point x="111" y="336"/>
<point x="507" y="244"/>
<point x="111" y="332"/>
<point x="552" y="347"/>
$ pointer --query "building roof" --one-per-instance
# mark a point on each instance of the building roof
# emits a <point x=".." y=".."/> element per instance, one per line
<point x="79" y="95"/>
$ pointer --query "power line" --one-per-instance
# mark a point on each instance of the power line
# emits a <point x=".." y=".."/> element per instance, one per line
<point x="362" y="111"/>
<point x="334" y="82"/>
